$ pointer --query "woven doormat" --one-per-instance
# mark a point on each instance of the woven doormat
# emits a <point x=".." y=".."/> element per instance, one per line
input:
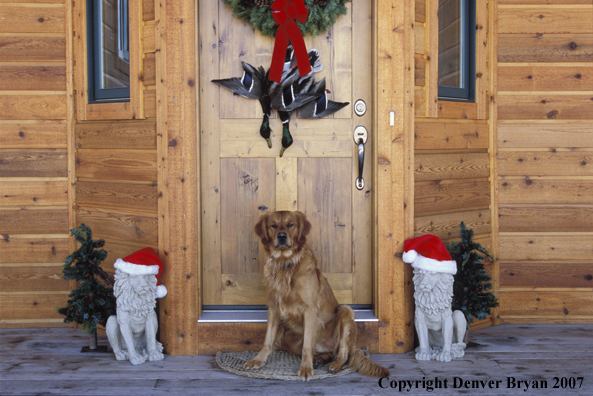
<point x="281" y="365"/>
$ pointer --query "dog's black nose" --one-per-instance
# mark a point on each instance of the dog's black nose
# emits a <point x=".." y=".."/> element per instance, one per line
<point x="281" y="235"/>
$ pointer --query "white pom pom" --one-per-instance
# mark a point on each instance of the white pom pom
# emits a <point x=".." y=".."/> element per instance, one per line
<point x="161" y="291"/>
<point x="410" y="256"/>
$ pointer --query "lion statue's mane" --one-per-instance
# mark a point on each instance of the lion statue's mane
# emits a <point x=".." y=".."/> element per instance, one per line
<point x="129" y="300"/>
<point x="439" y="298"/>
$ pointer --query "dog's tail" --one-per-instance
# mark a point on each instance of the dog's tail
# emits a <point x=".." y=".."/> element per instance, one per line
<point x="361" y="362"/>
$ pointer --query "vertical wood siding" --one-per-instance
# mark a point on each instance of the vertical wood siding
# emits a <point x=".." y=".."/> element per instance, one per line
<point x="545" y="150"/>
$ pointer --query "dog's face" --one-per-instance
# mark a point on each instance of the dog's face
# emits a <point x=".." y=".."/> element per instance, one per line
<point x="283" y="230"/>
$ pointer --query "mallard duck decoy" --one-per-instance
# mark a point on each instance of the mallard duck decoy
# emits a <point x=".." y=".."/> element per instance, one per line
<point x="321" y="106"/>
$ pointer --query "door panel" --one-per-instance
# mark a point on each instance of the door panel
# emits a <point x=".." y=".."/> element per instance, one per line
<point x="242" y="178"/>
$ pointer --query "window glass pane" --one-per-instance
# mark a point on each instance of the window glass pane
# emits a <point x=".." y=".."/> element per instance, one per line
<point x="451" y="22"/>
<point x="114" y="47"/>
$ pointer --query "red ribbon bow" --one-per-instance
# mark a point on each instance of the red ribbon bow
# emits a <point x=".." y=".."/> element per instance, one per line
<point x="286" y="11"/>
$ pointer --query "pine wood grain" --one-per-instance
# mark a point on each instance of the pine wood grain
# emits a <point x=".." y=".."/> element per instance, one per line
<point x="34" y="221"/>
<point x="545" y="191"/>
<point x="118" y="165"/>
<point x="149" y="37"/>
<point x="32" y="107"/>
<point x="544" y="20"/>
<point x="545" y="218"/>
<point x="148" y="10"/>
<point x="529" y="134"/>
<point x="28" y="279"/>
<point x="14" y="249"/>
<point x="33" y="193"/>
<point x="545" y="48"/>
<point x="116" y="135"/>
<point x="450" y="136"/>
<point x="545" y="106"/>
<point x="31" y="306"/>
<point x="451" y="166"/>
<point x="438" y="196"/>
<point x="33" y="163"/>
<point x="545" y="247"/>
<point x="545" y="78"/>
<point x="149" y="71"/>
<point x="141" y="197"/>
<point x="556" y="163"/>
<point x="138" y="228"/>
<point x="33" y="134"/>
<point x="32" y="78"/>
<point x="150" y="103"/>
<point x="546" y="274"/>
<point x="545" y="303"/>
<point x="458" y="110"/>
<point x="32" y="49"/>
<point x="419" y="70"/>
<point x="446" y="226"/>
<point x="19" y="19"/>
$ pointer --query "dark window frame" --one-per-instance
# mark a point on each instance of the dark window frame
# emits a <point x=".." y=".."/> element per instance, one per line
<point x="467" y="94"/>
<point x="96" y="94"/>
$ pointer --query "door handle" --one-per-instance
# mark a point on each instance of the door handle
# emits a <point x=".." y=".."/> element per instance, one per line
<point x="360" y="138"/>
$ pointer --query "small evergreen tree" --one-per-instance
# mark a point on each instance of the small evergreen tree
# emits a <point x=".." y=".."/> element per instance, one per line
<point x="91" y="303"/>
<point x="470" y="289"/>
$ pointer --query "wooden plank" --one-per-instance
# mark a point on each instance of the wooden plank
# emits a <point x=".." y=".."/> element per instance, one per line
<point x="419" y="70"/>
<point x="532" y="190"/>
<point x="324" y="187"/>
<point x="446" y="226"/>
<point x="33" y="163"/>
<point x="34" y="221"/>
<point x="138" y="228"/>
<point x="141" y="197"/>
<point x="529" y="134"/>
<point x="150" y="103"/>
<point x="545" y="218"/>
<point x="438" y="196"/>
<point x="545" y="20"/>
<point x="546" y="274"/>
<point x="116" y="135"/>
<point x="545" y="303"/>
<point x="33" y="193"/>
<point x="545" y="106"/>
<point x="120" y="165"/>
<point x="432" y="59"/>
<point x="31" y="306"/>
<point x="149" y="37"/>
<point x="483" y="60"/>
<point x="32" y="48"/>
<point x="32" y="107"/>
<point x="30" y="249"/>
<point x="459" y="110"/>
<point x="286" y="183"/>
<point x="19" y="19"/>
<point x="545" y="48"/>
<point x="32" y="78"/>
<point x="27" y="279"/>
<point x="545" y="163"/>
<point x="420" y="10"/>
<point x="148" y="10"/>
<point x="545" y="78"/>
<point x="451" y="166"/>
<point x="450" y="136"/>
<point x="136" y="27"/>
<point x="33" y="134"/>
<point x="545" y="247"/>
<point x="215" y="337"/>
<point x="149" y="73"/>
<point x="247" y="190"/>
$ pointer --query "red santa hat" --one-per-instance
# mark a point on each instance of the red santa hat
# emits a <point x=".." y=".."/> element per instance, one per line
<point x="143" y="262"/>
<point x="427" y="252"/>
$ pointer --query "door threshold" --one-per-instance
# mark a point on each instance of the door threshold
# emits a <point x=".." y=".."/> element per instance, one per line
<point x="261" y="316"/>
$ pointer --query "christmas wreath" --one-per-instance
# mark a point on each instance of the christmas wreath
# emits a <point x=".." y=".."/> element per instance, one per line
<point x="322" y="15"/>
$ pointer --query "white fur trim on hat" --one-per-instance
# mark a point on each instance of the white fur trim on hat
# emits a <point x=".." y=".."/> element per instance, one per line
<point x="135" y="269"/>
<point x="428" y="264"/>
<point x="161" y="291"/>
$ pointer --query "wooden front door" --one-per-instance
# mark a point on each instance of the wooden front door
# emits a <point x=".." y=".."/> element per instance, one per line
<point x="241" y="178"/>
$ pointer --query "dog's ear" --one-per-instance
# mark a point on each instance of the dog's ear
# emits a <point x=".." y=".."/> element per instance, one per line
<point x="261" y="229"/>
<point x="304" y="228"/>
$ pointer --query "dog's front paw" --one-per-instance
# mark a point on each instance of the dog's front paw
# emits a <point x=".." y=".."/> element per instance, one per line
<point x="155" y="356"/>
<point x="334" y="367"/>
<point x="306" y="372"/>
<point x="444" y="356"/>
<point x="137" y="359"/>
<point x="254" y="364"/>
<point x="423" y="354"/>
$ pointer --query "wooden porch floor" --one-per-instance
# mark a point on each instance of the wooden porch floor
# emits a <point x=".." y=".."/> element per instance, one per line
<point x="49" y="362"/>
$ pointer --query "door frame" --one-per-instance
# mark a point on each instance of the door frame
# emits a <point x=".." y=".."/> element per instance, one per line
<point x="178" y="144"/>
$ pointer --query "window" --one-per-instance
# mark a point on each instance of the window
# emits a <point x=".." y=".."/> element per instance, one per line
<point x="108" y="51"/>
<point x="457" y="47"/>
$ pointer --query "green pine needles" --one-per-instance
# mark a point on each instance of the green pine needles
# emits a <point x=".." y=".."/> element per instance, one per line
<point x="91" y="303"/>
<point x="322" y="15"/>
<point x="470" y="289"/>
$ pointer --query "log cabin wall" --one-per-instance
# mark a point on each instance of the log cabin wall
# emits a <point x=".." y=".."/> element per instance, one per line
<point x="34" y="216"/>
<point x="544" y="134"/>
<point x="452" y="141"/>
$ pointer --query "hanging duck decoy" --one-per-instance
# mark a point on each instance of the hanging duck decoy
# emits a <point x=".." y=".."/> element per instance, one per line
<point x="321" y="106"/>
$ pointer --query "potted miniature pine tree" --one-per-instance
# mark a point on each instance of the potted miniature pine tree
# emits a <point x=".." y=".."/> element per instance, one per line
<point x="471" y="293"/>
<point x="91" y="303"/>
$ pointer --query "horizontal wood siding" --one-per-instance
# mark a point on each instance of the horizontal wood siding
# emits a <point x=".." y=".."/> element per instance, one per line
<point x="451" y="143"/>
<point x="33" y="163"/>
<point x="545" y="159"/>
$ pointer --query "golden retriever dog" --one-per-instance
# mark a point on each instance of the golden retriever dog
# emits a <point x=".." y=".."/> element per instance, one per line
<point x="304" y="316"/>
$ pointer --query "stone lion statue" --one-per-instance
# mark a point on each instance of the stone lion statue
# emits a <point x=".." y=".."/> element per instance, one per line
<point x="132" y="332"/>
<point x="440" y="331"/>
